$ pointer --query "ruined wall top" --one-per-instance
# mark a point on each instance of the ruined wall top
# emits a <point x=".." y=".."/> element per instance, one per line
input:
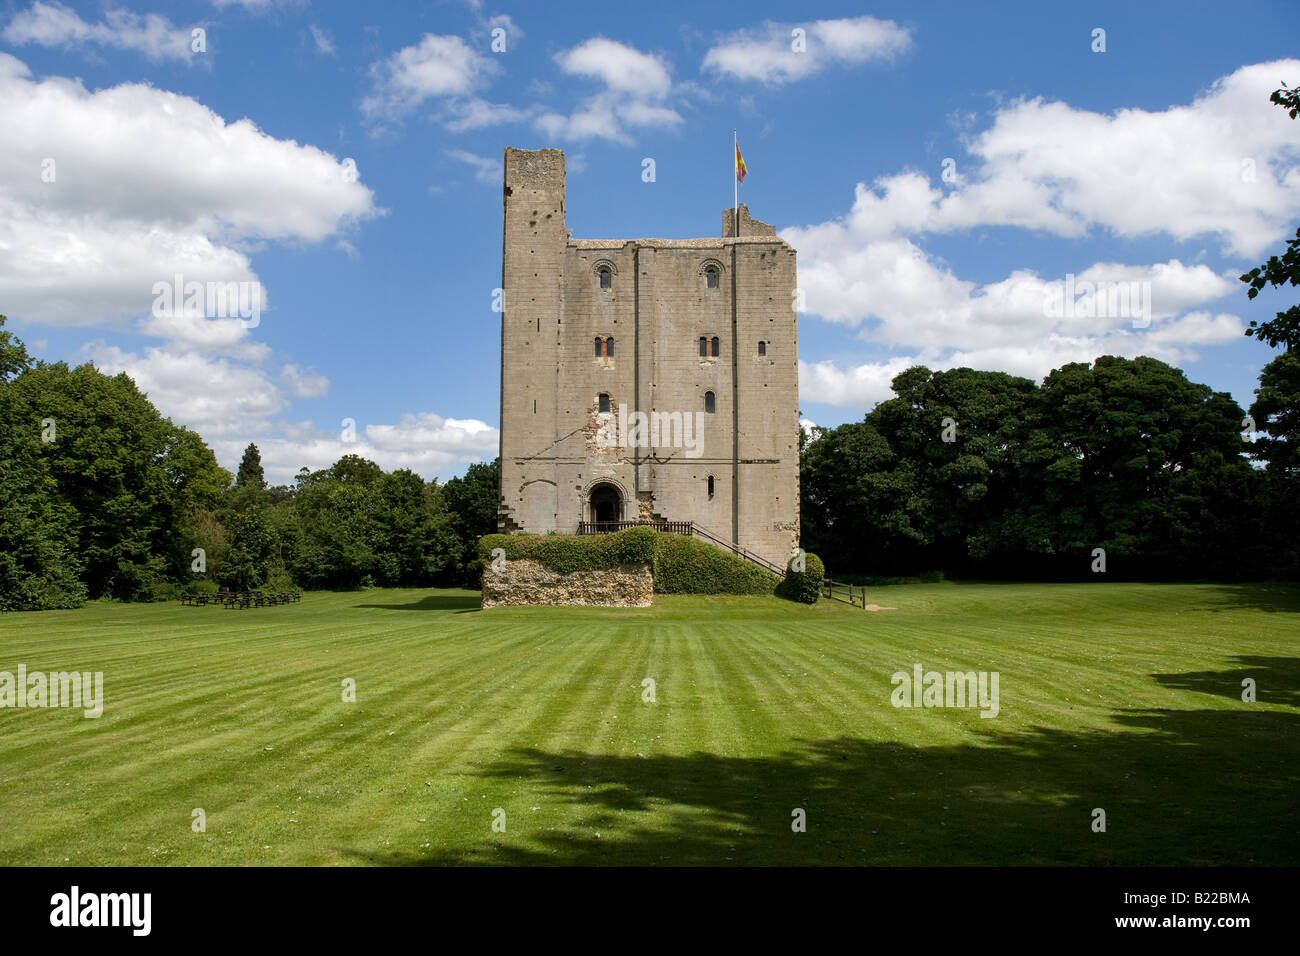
<point x="749" y="226"/>
<point x="534" y="167"/>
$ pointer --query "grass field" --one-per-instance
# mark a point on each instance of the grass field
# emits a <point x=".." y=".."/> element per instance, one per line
<point x="1125" y="697"/>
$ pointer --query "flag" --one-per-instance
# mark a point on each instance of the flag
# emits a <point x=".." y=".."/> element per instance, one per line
<point x="740" y="165"/>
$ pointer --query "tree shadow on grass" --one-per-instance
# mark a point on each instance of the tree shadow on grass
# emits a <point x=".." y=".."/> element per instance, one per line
<point x="1185" y="787"/>
<point x="433" y="602"/>
<point x="1277" y="680"/>
<point x="1278" y="597"/>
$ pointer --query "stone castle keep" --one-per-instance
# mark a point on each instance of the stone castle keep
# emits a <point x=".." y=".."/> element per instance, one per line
<point x="645" y="379"/>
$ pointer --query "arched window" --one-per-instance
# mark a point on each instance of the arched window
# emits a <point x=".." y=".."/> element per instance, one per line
<point x="609" y="347"/>
<point x="604" y="401"/>
<point x="606" y="277"/>
<point x="710" y="486"/>
<point x="711" y="277"/>
<point x="598" y="344"/>
<point x="704" y="346"/>
<point x="715" y="346"/>
<point x="762" y="348"/>
<point x="710" y="404"/>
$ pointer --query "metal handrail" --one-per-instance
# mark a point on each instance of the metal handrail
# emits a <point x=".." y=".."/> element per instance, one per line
<point x="740" y="552"/>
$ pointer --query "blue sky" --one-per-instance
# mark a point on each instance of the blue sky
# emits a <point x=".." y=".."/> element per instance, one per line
<point x="1158" y="161"/>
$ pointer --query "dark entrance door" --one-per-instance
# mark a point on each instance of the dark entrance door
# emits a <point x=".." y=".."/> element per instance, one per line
<point x="606" y="504"/>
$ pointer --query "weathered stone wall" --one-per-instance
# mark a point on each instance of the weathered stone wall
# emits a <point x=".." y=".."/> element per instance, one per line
<point x="525" y="581"/>
<point x="656" y="309"/>
<point x="532" y="266"/>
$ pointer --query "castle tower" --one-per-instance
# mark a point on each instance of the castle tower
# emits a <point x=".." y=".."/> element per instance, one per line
<point x="645" y="378"/>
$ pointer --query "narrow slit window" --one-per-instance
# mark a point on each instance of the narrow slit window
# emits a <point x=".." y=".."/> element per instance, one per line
<point x="606" y="277"/>
<point x="715" y="346"/>
<point x="609" y="347"/>
<point x="711" y="278"/>
<point x="710" y="404"/>
<point x="598" y="342"/>
<point x="704" y="346"/>
<point x="762" y="348"/>
<point x="710" y="486"/>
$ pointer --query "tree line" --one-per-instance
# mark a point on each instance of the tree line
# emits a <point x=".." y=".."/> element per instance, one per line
<point x="102" y="496"/>
<point x="1119" y="465"/>
<point x="1122" y="461"/>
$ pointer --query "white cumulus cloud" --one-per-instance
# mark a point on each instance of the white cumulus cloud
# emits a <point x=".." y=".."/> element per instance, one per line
<point x="1225" y="166"/>
<point x="635" y="90"/>
<point x="55" y="25"/>
<point x="231" y="402"/>
<point x="90" y="221"/>
<point x="304" y="383"/>
<point x="779" y="53"/>
<point x="436" y="68"/>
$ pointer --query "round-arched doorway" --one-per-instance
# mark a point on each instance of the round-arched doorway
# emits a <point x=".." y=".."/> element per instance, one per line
<point x="605" y="503"/>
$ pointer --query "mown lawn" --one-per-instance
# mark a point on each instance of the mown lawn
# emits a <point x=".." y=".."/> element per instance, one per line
<point x="1125" y="697"/>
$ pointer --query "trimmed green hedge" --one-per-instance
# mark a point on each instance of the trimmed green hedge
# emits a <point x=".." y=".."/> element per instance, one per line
<point x="803" y="586"/>
<point x="689" y="566"/>
<point x="566" y="553"/>
<point x="679" y="565"/>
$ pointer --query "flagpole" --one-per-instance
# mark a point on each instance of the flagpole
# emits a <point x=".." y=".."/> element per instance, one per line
<point x="735" y="182"/>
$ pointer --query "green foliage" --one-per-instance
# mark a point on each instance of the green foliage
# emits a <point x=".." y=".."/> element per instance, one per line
<point x="39" y="569"/>
<point x="1284" y="329"/>
<point x="352" y="522"/>
<point x="1279" y="271"/>
<point x="37" y="572"/>
<point x="1276" y="413"/>
<point x="679" y="565"/>
<point x="277" y="582"/>
<point x="250" y="469"/>
<point x="355" y="470"/>
<point x="565" y="554"/>
<point x="860" y="499"/>
<point x="1287" y="98"/>
<point x="125" y="480"/>
<point x="101" y="496"/>
<point x="13" y="354"/>
<point x="144" y="578"/>
<point x="1121" y="454"/>
<point x="890" y="580"/>
<point x="471" y="504"/>
<point x="1126" y="455"/>
<point x="685" y="565"/>
<point x="803" y="586"/>
<point x="252" y="551"/>
<point x="196" y="484"/>
<point x="417" y="530"/>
